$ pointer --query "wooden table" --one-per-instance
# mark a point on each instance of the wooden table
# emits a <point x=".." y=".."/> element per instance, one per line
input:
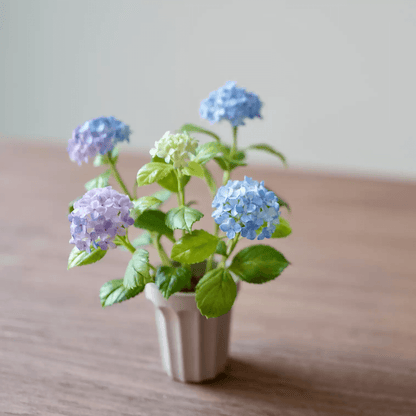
<point x="334" y="335"/>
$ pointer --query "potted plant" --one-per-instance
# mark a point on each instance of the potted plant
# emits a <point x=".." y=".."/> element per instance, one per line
<point x="194" y="286"/>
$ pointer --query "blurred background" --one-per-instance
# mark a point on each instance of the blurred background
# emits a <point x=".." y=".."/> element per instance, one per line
<point x="337" y="78"/>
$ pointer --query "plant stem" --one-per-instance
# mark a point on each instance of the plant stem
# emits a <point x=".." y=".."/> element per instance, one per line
<point x="227" y="173"/>
<point x="181" y="190"/>
<point x="181" y="193"/>
<point x="117" y="176"/>
<point x="161" y="251"/>
<point x="234" y="146"/>
<point x="135" y="190"/>
<point x="126" y="243"/>
<point x="226" y="177"/>
<point x="234" y="242"/>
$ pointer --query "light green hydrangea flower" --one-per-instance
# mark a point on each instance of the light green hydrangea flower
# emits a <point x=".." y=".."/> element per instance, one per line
<point x="175" y="148"/>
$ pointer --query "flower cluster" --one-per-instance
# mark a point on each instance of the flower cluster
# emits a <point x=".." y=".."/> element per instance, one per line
<point x="98" y="217"/>
<point x="98" y="135"/>
<point x="245" y="207"/>
<point x="175" y="148"/>
<point x="230" y="103"/>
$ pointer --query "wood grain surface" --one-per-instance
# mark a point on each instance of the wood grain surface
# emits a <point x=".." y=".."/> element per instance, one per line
<point x="334" y="335"/>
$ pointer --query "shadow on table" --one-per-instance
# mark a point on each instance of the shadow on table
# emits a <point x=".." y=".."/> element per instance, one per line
<point x="266" y="382"/>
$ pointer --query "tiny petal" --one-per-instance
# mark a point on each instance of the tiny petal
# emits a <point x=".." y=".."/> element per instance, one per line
<point x="231" y="234"/>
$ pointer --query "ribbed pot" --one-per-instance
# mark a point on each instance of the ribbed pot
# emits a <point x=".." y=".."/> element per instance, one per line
<point x="193" y="348"/>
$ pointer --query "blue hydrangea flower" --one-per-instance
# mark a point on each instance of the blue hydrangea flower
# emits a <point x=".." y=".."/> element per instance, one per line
<point x="98" y="135"/>
<point x="230" y="103"/>
<point x="98" y="217"/>
<point x="246" y="207"/>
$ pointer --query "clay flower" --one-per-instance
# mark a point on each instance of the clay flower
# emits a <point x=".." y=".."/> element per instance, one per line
<point x="98" y="135"/>
<point x="246" y="207"/>
<point x="230" y="103"/>
<point x="175" y="148"/>
<point x="98" y="217"/>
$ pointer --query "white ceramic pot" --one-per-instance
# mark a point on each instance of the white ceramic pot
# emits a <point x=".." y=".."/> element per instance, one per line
<point x="193" y="348"/>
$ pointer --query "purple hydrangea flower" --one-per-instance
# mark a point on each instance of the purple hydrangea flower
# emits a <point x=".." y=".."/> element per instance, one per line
<point x="98" y="217"/>
<point x="246" y="207"/>
<point x="98" y="135"/>
<point x="230" y="103"/>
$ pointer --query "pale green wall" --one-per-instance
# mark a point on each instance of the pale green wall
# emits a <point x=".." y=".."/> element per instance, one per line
<point x="337" y="77"/>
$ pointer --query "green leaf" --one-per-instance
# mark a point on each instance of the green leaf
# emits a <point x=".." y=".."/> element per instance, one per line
<point x="182" y="218"/>
<point x="154" y="221"/>
<point x="114" y="292"/>
<point x="194" y="169"/>
<point x="215" y="293"/>
<point x="137" y="271"/>
<point x="258" y="264"/>
<point x="222" y="162"/>
<point x="226" y="163"/>
<point x="144" y="203"/>
<point x="140" y="261"/>
<point x="153" y="172"/>
<point x="170" y="182"/>
<point x="170" y="280"/>
<point x="221" y="248"/>
<point x="143" y="239"/>
<point x="82" y="258"/>
<point x="103" y="159"/>
<point x="99" y="182"/>
<point x="240" y="155"/>
<point x="208" y="151"/>
<point x="210" y="180"/>
<point x="268" y="149"/>
<point x="197" y="129"/>
<point x="195" y="247"/>
<point x="163" y="195"/>
<point x="282" y="230"/>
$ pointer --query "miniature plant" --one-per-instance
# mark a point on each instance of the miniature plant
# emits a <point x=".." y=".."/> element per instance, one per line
<point x="101" y="219"/>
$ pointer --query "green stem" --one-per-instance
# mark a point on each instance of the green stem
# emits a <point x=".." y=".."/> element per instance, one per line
<point x="126" y="243"/>
<point x="135" y="190"/>
<point x="181" y="192"/>
<point x="161" y="251"/>
<point x="226" y="177"/>
<point x="210" y="259"/>
<point x="234" y="146"/>
<point x="117" y="176"/>
<point x="227" y="173"/>
<point x="231" y="248"/>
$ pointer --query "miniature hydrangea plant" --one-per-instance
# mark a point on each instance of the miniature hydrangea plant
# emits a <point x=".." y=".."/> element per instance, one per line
<point x="245" y="208"/>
